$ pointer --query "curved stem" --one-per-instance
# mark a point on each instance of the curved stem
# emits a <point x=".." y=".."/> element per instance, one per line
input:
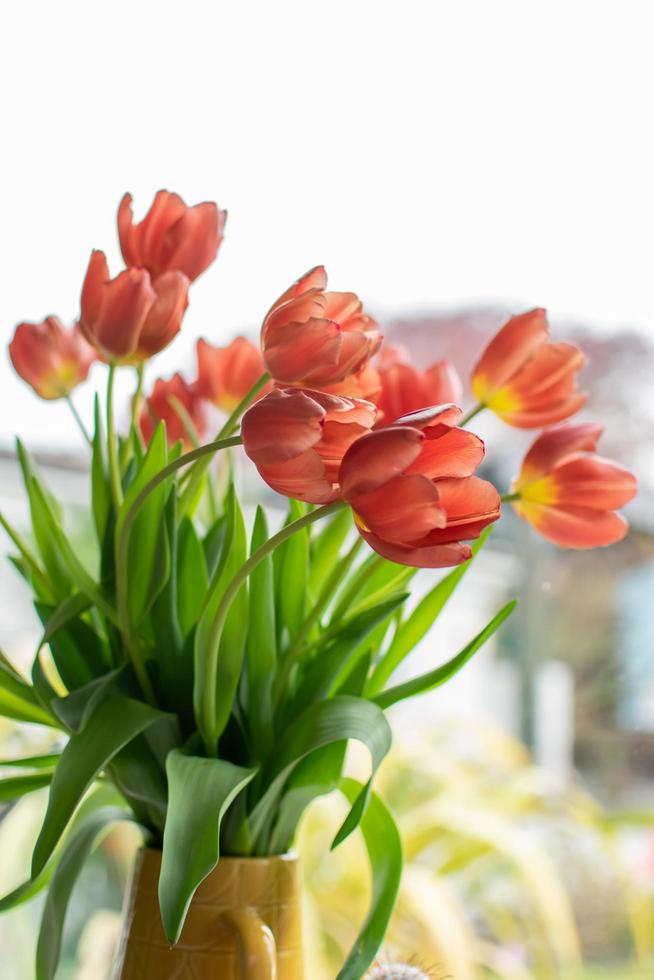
<point x="78" y="420"/>
<point x="244" y="403"/>
<point x="471" y="414"/>
<point x="339" y="572"/>
<point x="112" y="448"/>
<point x="137" y="397"/>
<point x="123" y="529"/>
<point x="207" y="723"/>
<point x="506" y="498"/>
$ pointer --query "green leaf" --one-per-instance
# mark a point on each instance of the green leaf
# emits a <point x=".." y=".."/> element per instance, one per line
<point x="100" y="486"/>
<point x="200" y="791"/>
<point x="418" y="624"/>
<point x="42" y="527"/>
<point x="165" y="624"/>
<point x="146" y="567"/>
<point x="14" y="787"/>
<point x="80" y="655"/>
<point x="336" y="720"/>
<point x="434" y="678"/>
<point x="261" y="643"/>
<point x="384" y="848"/>
<point x="219" y="674"/>
<point x="74" y="855"/>
<point x="111" y="726"/>
<point x="326" y="547"/>
<point x="316" y="775"/>
<point x="75" y="708"/>
<point x="18" y="699"/>
<point x="33" y="762"/>
<point x="294" y="576"/>
<point x="192" y="576"/>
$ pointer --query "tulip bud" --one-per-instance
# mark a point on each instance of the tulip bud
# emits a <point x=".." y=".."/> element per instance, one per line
<point x="50" y="358"/>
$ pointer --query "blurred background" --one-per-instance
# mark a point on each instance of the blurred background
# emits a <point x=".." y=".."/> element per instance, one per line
<point x="453" y="164"/>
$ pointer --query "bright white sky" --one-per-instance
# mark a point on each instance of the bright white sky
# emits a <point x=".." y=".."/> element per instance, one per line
<point x="429" y="152"/>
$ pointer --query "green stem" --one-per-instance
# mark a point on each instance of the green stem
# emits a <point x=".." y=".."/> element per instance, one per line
<point x="195" y="475"/>
<point x="207" y="722"/>
<point x="135" y="429"/>
<point x="339" y="572"/>
<point x="471" y="414"/>
<point x="112" y="448"/>
<point x="508" y="497"/>
<point x="244" y="403"/>
<point x="355" y="586"/>
<point x="78" y="420"/>
<point x="123" y="529"/>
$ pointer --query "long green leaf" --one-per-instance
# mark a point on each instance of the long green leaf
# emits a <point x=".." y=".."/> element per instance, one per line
<point x="113" y="724"/>
<point x="326" y="546"/>
<point x="100" y="487"/>
<point x="33" y="762"/>
<point x="316" y="775"/>
<point x="74" y="855"/>
<point x="294" y="576"/>
<point x="192" y="576"/>
<point x="18" y="699"/>
<point x="261" y="643"/>
<point x="418" y="624"/>
<point x="14" y="787"/>
<point x="200" y="791"/>
<point x="384" y="848"/>
<point x="339" y="719"/>
<point x="80" y="655"/>
<point x="434" y="678"/>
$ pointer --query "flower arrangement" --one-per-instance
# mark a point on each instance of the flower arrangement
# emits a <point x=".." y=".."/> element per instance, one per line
<point x="207" y="677"/>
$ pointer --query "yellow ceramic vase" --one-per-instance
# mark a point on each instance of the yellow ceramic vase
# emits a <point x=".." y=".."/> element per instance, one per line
<point x="244" y="924"/>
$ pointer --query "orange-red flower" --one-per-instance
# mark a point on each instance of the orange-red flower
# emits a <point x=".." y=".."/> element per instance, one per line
<point x="412" y="490"/>
<point x="162" y="406"/>
<point x="130" y="318"/>
<point x="525" y="379"/>
<point x="51" y="358"/>
<point x="314" y="339"/>
<point x="405" y="389"/>
<point x="568" y="494"/>
<point x="172" y="236"/>
<point x="297" y="438"/>
<point x="226" y="374"/>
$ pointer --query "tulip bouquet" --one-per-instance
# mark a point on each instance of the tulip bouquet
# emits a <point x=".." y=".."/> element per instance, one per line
<point x="206" y="675"/>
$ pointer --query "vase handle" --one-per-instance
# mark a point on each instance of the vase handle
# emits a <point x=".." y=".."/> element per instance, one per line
<point x="257" y="945"/>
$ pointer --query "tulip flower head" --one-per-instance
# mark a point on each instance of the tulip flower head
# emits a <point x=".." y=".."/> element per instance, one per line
<point x="51" y="358"/>
<point x="412" y="490"/>
<point x="226" y="374"/>
<point x="526" y="380"/>
<point x="130" y="318"/>
<point x="314" y="339"/>
<point x="172" y="236"/>
<point x="297" y="439"/>
<point x="570" y="495"/>
<point x="405" y="389"/>
<point x="163" y="405"/>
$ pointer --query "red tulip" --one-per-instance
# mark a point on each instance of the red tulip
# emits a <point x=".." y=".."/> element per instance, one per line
<point x="226" y="374"/>
<point x="412" y="491"/>
<point x="313" y="339"/>
<point x="297" y="438"/>
<point x="526" y="380"/>
<point x="568" y="494"/>
<point x="130" y="318"/>
<point x="50" y="358"/>
<point x="172" y="236"/>
<point x="405" y="389"/>
<point x="161" y="407"/>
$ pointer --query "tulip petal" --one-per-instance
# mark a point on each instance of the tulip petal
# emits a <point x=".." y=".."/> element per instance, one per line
<point x="432" y="415"/>
<point x="126" y="303"/>
<point x="97" y="274"/>
<point x="573" y="527"/>
<point x="591" y="481"/>
<point x="554" y="445"/>
<point x="164" y="318"/>
<point x="508" y="351"/>
<point x="378" y="457"/>
<point x="303" y="352"/>
<point x="550" y="415"/>
<point x="342" y="306"/>
<point x="546" y="368"/>
<point x="443" y="383"/>
<point x="281" y="426"/>
<point x="448" y="452"/>
<point x="302" y="478"/>
<point x="191" y="243"/>
<point x="471" y="505"/>
<point x="313" y="280"/>
<point x="431" y="556"/>
<point x="405" y="509"/>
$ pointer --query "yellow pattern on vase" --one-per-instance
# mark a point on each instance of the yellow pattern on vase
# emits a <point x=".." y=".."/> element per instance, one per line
<point x="244" y="923"/>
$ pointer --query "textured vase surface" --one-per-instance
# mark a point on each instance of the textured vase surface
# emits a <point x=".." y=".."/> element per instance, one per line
<point x="244" y="923"/>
